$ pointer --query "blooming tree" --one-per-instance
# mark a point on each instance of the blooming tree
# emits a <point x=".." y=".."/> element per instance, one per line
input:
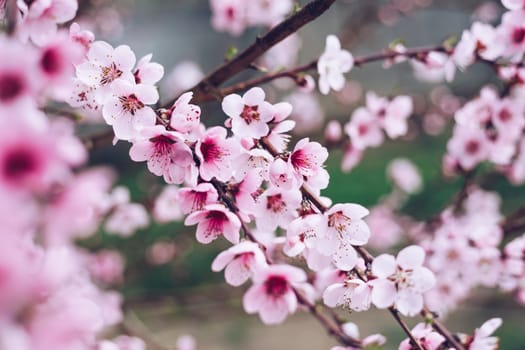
<point x="245" y="181"/>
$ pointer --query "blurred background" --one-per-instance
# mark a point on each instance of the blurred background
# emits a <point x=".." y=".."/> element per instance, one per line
<point x="170" y="289"/>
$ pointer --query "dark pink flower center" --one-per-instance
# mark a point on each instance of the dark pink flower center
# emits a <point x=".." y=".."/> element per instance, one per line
<point x="301" y="160"/>
<point x="230" y="13"/>
<point x="11" y="85"/>
<point x="275" y="203"/>
<point x="216" y="220"/>
<point x="505" y="115"/>
<point x="339" y="221"/>
<point x="211" y="151"/>
<point x="362" y="129"/>
<point x="518" y="35"/>
<point x="20" y="163"/>
<point x="110" y="73"/>
<point x="250" y="114"/>
<point x="131" y="103"/>
<point x="472" y="147"/>
<point x="51" y="61"/>
<point x="276" y="286"/>
<point x="199" y="199"/>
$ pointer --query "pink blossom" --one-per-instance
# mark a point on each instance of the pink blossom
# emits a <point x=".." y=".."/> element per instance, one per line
<point x="126" y="219"/>
<point x="239" y="262"/>
<point x="168" y="207"/>
<point x="166" y="153"/>
<point x="488" y="44"/>
<point x="147" y="72"/>
<point x="436" y="67"/>
<point x="405" y="175"/>
<point x="196" y="198"/>
<point x="186" y="342"/>
<point x="402" y="281"/>
<point x="213" y="221"/>
<point x="465" y="51"/>
<point x="272" y="294"/>
<point x="383" y="222"/>
<point x="181" y="78"/>
<point x="332" y="64"/>
<point x="307" y="158"/>
<point x="107" y="266"/>
<point x="40" y="18"/>
<point x="352" y="293"/>
<point x="246" y="191"/>
<point x="426" y="336"/>
<point x="184" y="116"/>
<point x="345" y="223"/>
<point x="268" y="12"/>
<point x="482" y="339"/>
<point x="351" y="158"/>
<point x="276" y="207"/>
<point x="105" y="64"/>
<point x="229" y="15"/>
<point x="82" y="37"/>
<point x="161" y="253"/>
<point x="282" y="175"/>
<point x="127" y="111"/>
<point x="512" y="33"/>
<point x="215" y="153"/>
<point x="250" y="113"/>
<point x="364" y="129"/>
<point x="468" y="146"/>
<point x="392" y="115"/>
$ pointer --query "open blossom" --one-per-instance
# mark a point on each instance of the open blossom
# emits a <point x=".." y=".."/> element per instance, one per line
<point x="127" y="218"/>
<point x="512" y="33"/>
<point x="307" y="158"/>
<point x="364" y="129"/>
<point x="272" y="294"/>
<point x="482" y="339"/>
<point x="276" y="207"/>
<point x="249" y="114"/>
<point x="468" y="146"/>
<point x="215" y="153"/>
<point x="268" y="12"/>
<point x="197" y="197"/>
<point x="401" y="282"/>
<point x="332" y="64"/>
<point x="239" y="262"/>
<point x="391" y="114"/>
<point x="213" y="221"/>
<point x="105" y="64"/>
<point x="168" y="206"/>
<point x="229" y="15"/>
<point x="127" y="111"/>
<point x="166" y="153"/>
<point x="405" y="175"/>
<point x="184" y="116"/>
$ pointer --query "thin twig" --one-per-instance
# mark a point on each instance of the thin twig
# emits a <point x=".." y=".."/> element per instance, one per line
<point x="11" y="14"/>
<point x="403" y="325"/>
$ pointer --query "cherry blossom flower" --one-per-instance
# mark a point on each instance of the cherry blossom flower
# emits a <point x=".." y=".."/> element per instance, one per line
<point x="229" y="15"/>
<point x="272" y="294"/>
<point x="250" y="113"/>
<point x="513" y="4"/>
<point x="168" y="206"/>
<point x="405" y="175"/>
<point x="147" y="72"/>
<point x="181" y="78"/>
<point x="239" y="262"/>
<point x="402" y="281"/>
<point x="127" y="111"/>
<point x="82" y="37"/>
<point x="215" y="153"/>
<point x="166" y="153"/>
<point x="107" y="266"/>
<point x="161" y="252"/>
<point x="276" y="207"/>
<point x="197" y="197"/>
<point x="426" y="336"/>
<point x="468" y="146"/>
<point x="482" y="339"/>
<point x="512" y="33"/>
<point x="184" y="116"/>
<point x="364" y="129"/>
<point x="352" y="293"/>
<point x="332" y="64"/>
<point x="268" y="12"/>
<point x="213" y="221"/>
<point x="392" y="115"/>
<point x="105" y="64"/>
<point x="126" y="219"/>
<point x="307" y="158"/>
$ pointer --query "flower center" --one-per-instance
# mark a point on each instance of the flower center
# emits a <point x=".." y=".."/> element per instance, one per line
<point x="51" y="62"/>
<point x="216" y="219"/>
<point x="472" y="147"/>
<point x="110" y="73"/>
<point x="339" y="222"/>
<point x="275" y="203"/>
<point x="276" y="286"/>
<point x="211" y="151"/>
<point x="131" y="103"/>
<point x="11" y="85"/>
<point x="19" y="163"/>
<point x="518" y="35"/>
<point x="250" y="114"/>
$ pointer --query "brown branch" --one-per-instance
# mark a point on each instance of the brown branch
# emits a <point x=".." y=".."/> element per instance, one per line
<point x="407" y="331"/>
<point x="440" y="328"/>
<point x="11" y="10"/>
<point x="294" y="73"/>
<point x="262" y="44"/>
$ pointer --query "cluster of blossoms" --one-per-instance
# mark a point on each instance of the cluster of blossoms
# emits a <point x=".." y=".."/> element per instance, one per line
<point x="240" y="181"/>
<point x="53" y="293"/>
<point x="234" y="16"/>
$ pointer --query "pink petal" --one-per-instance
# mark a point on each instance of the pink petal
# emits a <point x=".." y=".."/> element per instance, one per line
<point x="383" y="293"/>
<point x="237" y="273"/>
<point x="411" y="257"/>
<point x="384" y="266"/>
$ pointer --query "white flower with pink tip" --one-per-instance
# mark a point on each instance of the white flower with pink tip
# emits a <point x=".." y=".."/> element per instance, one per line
<point x="213" y="221"/>
<point x="332" y="64"/>
<point x="401" y="282"/>
<point x="127" y="111"/>
<point x="250" y="114"/>
<point x="239" y="262"/>
<point x="272" y="294"/>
